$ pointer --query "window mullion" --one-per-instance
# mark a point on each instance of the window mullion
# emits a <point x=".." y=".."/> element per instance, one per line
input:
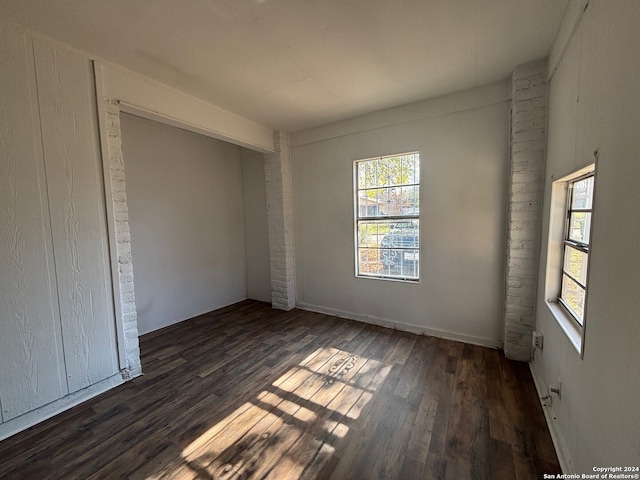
<point x="389" y="217"/>
<point x="582" y="247"/>
<point x="388" y="187"/>
<point x="578" y="282"/>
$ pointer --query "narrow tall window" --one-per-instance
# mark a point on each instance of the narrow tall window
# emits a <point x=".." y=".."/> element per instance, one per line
<point x="577" y="241"/>
<point x="387" y="208"/>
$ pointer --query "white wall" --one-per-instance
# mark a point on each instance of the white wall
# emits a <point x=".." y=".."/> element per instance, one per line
<point x="186" y="216"/>
<point x="463" y="141"/>
<point x="255" y="226"/>
<point x="594" y="104"/>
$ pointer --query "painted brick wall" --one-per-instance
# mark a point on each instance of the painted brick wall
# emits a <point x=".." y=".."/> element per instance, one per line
<point x="127" y="302"/>
<point x="528" y="145"/>
<point x="279" y="188"/>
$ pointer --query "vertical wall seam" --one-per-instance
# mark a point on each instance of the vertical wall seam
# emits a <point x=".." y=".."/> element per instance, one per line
<point x="54" y="256"/>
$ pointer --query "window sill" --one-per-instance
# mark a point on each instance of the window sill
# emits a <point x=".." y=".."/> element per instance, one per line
<point x="414" y="281"/>
<point x="567" y="324"/>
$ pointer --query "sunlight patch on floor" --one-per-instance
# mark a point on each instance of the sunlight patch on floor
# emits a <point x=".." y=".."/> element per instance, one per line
<point x="292" y="426"/>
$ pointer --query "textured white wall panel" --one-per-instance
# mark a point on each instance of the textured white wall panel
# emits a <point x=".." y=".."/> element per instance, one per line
<point x="74" y="176"/>
<point x="31" y="364"/>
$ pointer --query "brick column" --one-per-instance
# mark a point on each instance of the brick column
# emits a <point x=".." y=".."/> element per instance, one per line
<point x="126" y="303"/>
<point x="528" y="147"/>
<point x="280" y="221"/>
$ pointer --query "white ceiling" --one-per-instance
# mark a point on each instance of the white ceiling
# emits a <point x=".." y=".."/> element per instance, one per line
<point x="293" y="64"/>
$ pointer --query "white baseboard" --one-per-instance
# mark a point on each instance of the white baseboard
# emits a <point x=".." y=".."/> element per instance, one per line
<point x="29" y="419"/>
<point x="405" y="327"/>
<point x="558" y="442"/>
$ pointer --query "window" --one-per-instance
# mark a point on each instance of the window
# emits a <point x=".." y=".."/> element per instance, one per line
<point x="577" y="239"/>
<point x="387" y="206"/>
<point x="569" y="248"/>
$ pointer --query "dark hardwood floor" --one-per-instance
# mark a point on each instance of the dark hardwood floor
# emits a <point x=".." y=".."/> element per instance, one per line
<point x="250" y="392"/>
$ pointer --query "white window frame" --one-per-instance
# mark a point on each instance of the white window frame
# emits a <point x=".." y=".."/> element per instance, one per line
<point x="580" y="246"/>
<point x="567" y="319"/>
<point x="404" y="220"/>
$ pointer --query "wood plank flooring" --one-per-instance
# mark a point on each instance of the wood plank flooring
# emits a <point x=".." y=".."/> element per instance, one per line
<point x="249" y="392"/>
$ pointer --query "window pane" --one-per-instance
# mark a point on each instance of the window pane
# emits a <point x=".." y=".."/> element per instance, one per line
<point x="575" y="264"/>
<point x="400" y="263"/>
<point x="409" y="267"/>
<point x="370" y="233"/>
<point x="409" y="172"/>
<point x="369" y="261"/>
<point x="369" y="203"/>
<point x="389" y="248"/>
<point x="391" y="169"/>
<point x="375" y="202"/>
<point x="388" y="171"/>
<point x="370" y="174"/>
<point x="361" y="169"/>
<point x="404" y="234"/>
<point x="579" y="226"/>
<point x="582" y="194"/>
<point x="397" y="201"/>
<point x="410" y="200"/>
<point x="394" y="201"/>
<point x="573" y="295"/>
<point x="389" y="234"/>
